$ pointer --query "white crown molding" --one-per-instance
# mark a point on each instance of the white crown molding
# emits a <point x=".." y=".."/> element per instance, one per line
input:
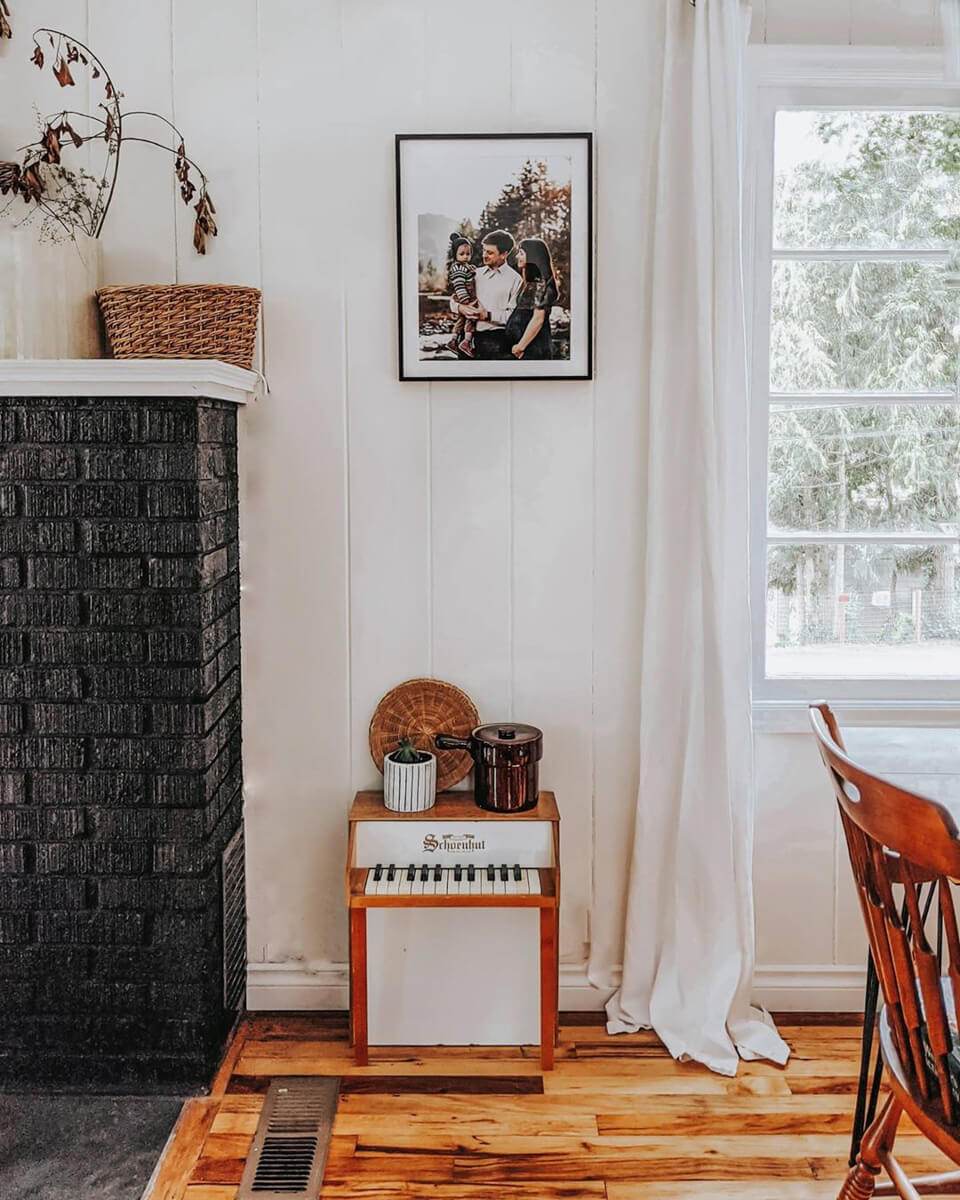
<point x="131" y="378"/>
<point x="288" y="987"/>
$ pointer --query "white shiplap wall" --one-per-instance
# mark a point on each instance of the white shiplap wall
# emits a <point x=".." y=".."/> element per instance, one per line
<point x="486" y="533"/>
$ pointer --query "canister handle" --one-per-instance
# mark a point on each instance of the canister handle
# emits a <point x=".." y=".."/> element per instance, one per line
<point x="447" y="741"/>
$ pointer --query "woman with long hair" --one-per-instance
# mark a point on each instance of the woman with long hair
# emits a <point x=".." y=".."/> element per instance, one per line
<point x="528" y="326"/>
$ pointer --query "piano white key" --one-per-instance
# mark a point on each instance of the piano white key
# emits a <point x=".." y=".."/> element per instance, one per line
<point x="369" y="887"/>
<point x="416" y="888"/>
<point x="429" y="886"/>
<point x="486" y="887"/>
<point x="533" y="881"/>
<point x="406" y="885"/>
<point x="511" y="887"/>
<point x="499" y="887"/>
<point x="474" y="887"/>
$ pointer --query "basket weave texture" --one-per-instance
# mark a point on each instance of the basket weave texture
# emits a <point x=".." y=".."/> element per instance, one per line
<point x="419" y="709"/>
<point x="199" y="320"/>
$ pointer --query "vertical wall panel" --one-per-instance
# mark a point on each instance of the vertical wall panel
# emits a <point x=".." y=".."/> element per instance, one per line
<point x="470" y="425"/>
<point x="133" y="39"/>
<point x="794" y="852"/>
<point x="553" y="88"/>
<point x="295" y="635"/>
<point x="384" y="72"/>
<point x="813" y="21"/>
<point x="215" y="71"/>
<point x="895" y="22"/>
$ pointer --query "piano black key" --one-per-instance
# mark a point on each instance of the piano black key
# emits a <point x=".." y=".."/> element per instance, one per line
<point x="424" y="872"/>
<point x="458" y="873"/>
<point x="516" y="872"/>
<point x="378" y="872"/>
<point x="391" y="873"/>
<point x="471" y="873"/>
<point x="411" y="872"/>
<point x="503" y="872"/>
<point x="438" y="874"/>
<point x="491" y="869"/>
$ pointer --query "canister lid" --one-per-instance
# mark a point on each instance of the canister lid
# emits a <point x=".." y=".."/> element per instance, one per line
<point x="507" y="733"/>
<point x="508" y="744"/>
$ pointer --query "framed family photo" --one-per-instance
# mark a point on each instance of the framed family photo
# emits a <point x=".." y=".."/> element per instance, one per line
<point x="495" y="255"/>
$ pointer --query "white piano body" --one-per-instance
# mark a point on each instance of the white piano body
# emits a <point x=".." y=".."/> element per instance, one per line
<point x="453" y="900"/>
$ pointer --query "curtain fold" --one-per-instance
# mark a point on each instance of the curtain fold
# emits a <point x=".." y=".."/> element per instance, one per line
<point x="689" y="938"/>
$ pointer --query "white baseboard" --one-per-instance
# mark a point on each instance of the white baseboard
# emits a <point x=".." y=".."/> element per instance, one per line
<point x="285" y="987"/>
<point x="810" y="988"/>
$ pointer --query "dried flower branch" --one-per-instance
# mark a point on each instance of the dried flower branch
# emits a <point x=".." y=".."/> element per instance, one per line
<point x="79" y="201"/>
<point x="5" y="29"/>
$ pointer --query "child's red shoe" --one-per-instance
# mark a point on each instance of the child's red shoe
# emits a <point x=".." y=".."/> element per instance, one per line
<point x="467" y="349"/>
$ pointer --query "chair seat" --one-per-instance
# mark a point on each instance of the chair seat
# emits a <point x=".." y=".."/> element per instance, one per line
<point x="925" y="1114"/>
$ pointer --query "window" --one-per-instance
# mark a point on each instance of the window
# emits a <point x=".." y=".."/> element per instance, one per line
<point x="856" y="506"/>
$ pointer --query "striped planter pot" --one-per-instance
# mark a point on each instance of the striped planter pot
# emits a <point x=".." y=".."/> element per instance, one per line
<point x="409" y="787"/>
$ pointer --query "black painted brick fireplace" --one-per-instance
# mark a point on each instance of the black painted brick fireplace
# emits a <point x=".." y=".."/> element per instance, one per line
<point x="120" y="756"/>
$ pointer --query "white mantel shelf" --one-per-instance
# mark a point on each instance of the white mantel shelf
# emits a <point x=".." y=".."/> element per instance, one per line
<point x="131" y="378"/>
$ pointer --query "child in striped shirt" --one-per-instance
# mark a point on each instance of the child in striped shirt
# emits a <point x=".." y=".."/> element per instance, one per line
<point x="461" y="280"/>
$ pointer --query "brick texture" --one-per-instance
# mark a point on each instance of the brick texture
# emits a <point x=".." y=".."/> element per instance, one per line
<point x="120" y="749"/>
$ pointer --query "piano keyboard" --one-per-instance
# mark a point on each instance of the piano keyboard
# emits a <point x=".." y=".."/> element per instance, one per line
<point x="429" y="879"/>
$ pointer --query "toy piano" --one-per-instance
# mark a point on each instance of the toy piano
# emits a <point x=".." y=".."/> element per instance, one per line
<point x="453" y="924"/>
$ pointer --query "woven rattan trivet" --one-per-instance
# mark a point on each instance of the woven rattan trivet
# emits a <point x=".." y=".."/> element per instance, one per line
<point x="419" y="709"/>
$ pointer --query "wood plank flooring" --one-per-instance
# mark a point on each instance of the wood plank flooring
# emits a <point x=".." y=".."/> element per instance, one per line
<point x="617" y="1119"/>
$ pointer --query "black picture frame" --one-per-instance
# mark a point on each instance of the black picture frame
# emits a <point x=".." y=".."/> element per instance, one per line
<point x="540" y="181"/>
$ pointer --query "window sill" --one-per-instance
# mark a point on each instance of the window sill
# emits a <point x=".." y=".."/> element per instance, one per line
<point x="791" y="716"/>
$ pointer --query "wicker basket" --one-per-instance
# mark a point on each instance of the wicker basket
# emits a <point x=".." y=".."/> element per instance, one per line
<point x="181" y="321"/>
<point x="419" y="709"/>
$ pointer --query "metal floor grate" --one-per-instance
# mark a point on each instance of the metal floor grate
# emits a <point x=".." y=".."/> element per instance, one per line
<point x="292" y="1140"/>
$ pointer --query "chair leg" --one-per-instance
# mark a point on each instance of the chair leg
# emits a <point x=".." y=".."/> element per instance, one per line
<point x="861" y="1118"/>
<point x="877" y="1143"/>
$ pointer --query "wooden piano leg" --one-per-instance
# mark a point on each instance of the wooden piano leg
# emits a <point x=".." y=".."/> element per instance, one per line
<point x="548" y="986"/>
<point x="358" y="985"/>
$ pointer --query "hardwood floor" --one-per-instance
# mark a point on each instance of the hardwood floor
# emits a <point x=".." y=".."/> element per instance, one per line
<point x="617" y="1119"/>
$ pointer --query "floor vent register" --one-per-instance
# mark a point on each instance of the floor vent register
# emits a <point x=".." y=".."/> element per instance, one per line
<point x="292" y="1140"/>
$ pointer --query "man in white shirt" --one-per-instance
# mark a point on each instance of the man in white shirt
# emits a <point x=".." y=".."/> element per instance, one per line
<point x="498" y="286"/>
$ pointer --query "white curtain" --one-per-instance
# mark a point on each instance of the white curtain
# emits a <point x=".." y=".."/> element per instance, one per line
<point x="688" y="947"/>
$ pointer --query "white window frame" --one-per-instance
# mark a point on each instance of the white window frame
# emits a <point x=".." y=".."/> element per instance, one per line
<point x="821" y="77"/>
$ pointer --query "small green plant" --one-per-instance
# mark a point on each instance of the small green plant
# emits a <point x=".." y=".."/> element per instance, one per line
<point x="407" y="752"/>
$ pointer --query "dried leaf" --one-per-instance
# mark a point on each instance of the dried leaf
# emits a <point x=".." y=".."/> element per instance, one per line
<point x="96" y="73"/>
<point x="108" y="127"/>
<point x="187" y="191"/>
<point x="5" y="30"/>
<point x="62" y="73"/>
<point x="83" y="59"/>
<point x="51" y="145"/>
<point x="31" y="185"/>
<point x="67" y="128"/>
<point x="9" y="177"/>
<point x="73" y="53"/>
<point x="109" y="90"/>
<point x="204" y="226"/>
<point x="37" y="56"/>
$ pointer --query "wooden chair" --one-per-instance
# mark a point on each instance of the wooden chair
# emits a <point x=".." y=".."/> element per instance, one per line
<point x="897" y="842"/>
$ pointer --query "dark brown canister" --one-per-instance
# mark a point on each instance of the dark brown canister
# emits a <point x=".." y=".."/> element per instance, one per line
<point x="506" y="759"/>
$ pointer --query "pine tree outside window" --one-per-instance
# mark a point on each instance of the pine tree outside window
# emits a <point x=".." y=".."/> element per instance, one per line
<point x="856" y="437"/>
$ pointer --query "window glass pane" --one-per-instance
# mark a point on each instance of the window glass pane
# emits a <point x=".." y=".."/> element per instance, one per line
<point x="862" y="611"/>
<point x="879" y="179"/>
<point x="863" y="326"/>
<point x="886" y="468"/>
